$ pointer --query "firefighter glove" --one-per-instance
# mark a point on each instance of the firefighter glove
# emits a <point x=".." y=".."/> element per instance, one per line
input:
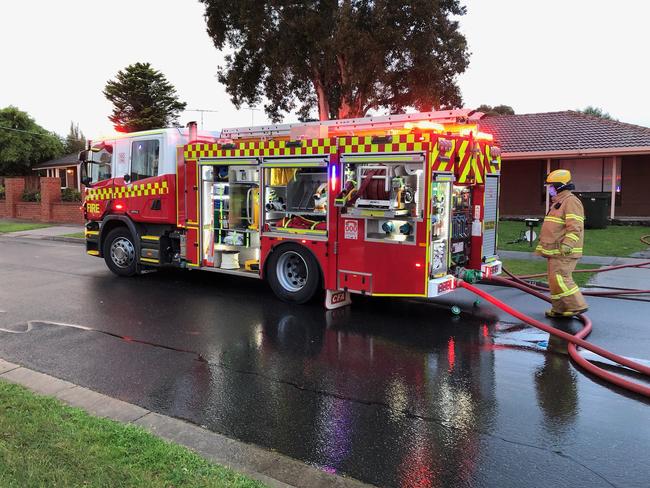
<point x="565" y="249"/>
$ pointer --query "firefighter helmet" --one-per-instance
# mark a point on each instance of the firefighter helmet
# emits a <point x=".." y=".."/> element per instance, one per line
<point x="559" y="177"/>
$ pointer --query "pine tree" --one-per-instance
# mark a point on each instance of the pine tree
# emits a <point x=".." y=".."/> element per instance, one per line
<point x="142" y="99"/>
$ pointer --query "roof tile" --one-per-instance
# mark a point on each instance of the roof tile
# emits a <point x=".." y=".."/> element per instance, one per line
<point x="558" y="131"/>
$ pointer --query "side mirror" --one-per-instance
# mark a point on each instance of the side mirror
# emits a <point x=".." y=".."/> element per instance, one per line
<point x="83" y="156"/>
<point x="127" y="178"/>
<point x="86" y="180"/>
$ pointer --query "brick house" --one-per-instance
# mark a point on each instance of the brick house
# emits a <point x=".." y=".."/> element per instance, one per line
<point x="605" y="157"/>
<point x="66" y="168"/>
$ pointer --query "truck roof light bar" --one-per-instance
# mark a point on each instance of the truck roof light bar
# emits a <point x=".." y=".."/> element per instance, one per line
<point x="349" y="126"/>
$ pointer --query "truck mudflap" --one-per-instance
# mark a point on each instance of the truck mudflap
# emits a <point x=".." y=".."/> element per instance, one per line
<point x="336" y="299"/>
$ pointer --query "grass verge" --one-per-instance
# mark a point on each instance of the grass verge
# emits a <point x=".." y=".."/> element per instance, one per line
<point x="615" y="240"/>
<point x="78" y="235"/>
<point x="45" y="443"/>
<point x="527" y="267"/>
<point x="10" y="226"/>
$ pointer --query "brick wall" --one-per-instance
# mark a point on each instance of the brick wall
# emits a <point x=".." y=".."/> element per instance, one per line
<point x="13" y="190"/>
<point x="522" y="188"/>
<point x="50" y="208"/>
<point x="50" y="195"/>
<point x="68" y="212"/>
<point x="28" y="211"/>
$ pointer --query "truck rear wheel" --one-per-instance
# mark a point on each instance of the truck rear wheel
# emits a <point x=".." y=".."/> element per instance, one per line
<point x="293" y="273"/>
<point x="120" y="252"/>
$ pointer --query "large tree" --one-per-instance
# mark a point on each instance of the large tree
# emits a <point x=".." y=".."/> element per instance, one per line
<point x="496" y="110"/>
<point x="142" y="99"/>
<point x="23" y="143"/>
<point x="75" y="141"/>
<point x="344" y="57"/>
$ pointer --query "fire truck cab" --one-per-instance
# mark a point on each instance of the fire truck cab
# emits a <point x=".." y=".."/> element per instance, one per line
<point x="384" y="206"/>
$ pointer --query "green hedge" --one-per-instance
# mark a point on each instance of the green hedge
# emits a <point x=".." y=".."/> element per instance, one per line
<point x="70" y="195"/>
<point x="31" y="196"/>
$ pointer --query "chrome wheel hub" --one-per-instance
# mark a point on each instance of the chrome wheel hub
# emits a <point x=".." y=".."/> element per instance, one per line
<point x="122" y="252"/>
<point x="292" y="271"/>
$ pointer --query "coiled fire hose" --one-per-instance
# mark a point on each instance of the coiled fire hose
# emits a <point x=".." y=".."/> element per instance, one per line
<point x="520" y="279"/>
<point x="574" y="341"/>
<point x="578" y="339"/>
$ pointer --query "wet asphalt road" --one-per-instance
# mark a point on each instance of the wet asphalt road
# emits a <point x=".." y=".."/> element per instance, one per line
<point x="392" y="392"/>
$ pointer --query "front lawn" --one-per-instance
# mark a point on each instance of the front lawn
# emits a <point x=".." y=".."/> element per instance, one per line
<point x="11" y="226"/>
<point x="45" y="443"/>
<point x="530" y="266"/>
<point x="615" y="240"/>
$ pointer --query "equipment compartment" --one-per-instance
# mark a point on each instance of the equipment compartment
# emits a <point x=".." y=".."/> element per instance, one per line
<point x="295" y="200"/>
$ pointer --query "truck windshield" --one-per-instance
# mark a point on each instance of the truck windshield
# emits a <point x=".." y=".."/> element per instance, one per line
<point x="98" y="166"/>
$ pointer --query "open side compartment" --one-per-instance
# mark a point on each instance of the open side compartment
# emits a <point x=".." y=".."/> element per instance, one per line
<point x="295" y="196"/>
<point x="382" y="234"/>
<point x="230" y="215"/>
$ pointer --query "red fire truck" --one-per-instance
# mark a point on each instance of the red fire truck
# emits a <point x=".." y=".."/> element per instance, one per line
<point x="391" y="206"/>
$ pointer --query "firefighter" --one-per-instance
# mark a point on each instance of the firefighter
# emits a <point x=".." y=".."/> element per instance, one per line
<point x="560" y="241"/>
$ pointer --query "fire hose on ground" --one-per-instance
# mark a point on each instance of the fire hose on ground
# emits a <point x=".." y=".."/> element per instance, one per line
<point x="574" y="340"/>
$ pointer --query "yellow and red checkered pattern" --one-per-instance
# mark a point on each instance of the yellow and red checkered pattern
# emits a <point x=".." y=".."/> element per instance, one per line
<point x="398" y="143"/>
<point x="469" y="159"/>
<point x="128" y="191"/>
<point x="307" y="147"/>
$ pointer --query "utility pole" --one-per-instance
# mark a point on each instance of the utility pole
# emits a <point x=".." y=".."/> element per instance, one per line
<point x="201" y="111"/>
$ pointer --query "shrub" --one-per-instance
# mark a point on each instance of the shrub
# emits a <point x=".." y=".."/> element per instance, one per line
<point x="70" y="195"/>
<point x="31" y="196"/>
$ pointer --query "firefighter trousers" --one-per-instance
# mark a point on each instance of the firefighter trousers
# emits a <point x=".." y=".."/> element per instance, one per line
<point x="565" y="294"/>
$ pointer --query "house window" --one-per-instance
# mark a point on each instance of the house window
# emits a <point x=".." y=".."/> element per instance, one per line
<point x="62" y="177"/>
<point x="593" y="175"/>
<point x="144" y="159"/>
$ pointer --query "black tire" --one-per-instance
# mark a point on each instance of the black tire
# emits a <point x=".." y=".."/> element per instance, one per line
<point x="293" y="273"/>
<point x="120" y="253"/>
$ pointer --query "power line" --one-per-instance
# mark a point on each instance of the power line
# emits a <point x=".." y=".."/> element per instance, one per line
<point x="48" y="134"/>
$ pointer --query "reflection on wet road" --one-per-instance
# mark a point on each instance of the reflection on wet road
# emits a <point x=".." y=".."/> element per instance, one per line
<point x="393" y="392"/>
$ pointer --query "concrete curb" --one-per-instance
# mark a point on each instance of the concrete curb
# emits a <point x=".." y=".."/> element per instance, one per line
<point x="273" y="469"/>
<point x="74" y="240"/>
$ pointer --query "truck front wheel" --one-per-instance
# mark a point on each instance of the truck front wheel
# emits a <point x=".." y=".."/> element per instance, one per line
<point x="120" y="253"/>
<point x="293" y="273"/>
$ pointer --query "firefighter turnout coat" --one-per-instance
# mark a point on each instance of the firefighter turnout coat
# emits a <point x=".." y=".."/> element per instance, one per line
<point x="563" y="225"/>
<point x="561" y="240"/>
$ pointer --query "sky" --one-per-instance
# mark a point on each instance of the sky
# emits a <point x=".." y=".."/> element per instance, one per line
<point x="536" y="56"/>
